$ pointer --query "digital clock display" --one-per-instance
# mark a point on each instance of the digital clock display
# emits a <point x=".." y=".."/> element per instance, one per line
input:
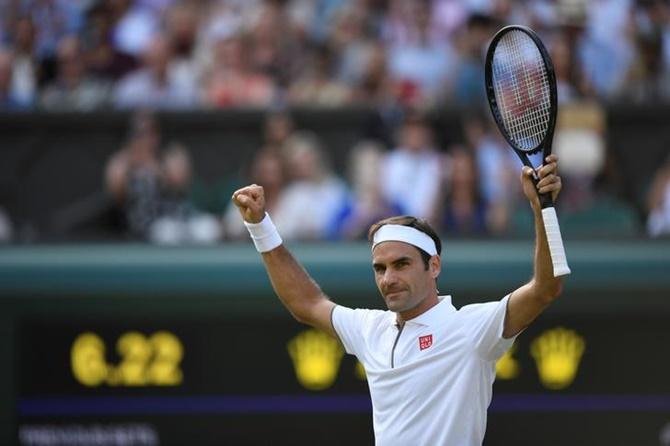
<point x="146" y="360"/>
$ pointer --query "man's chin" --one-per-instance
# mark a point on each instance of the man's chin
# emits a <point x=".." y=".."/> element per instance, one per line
<point x="394" y="302"/>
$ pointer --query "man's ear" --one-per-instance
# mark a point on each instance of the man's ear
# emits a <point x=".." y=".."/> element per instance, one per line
<point x="435" y="266"/>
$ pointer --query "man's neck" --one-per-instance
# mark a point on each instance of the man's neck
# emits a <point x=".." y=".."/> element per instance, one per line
<point x="424" y="306"/>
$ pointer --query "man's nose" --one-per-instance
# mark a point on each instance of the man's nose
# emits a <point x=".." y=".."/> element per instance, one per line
<point x="389" y="278"/>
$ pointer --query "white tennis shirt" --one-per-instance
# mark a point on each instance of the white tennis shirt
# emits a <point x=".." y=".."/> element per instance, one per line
<point x="431" y="381"/>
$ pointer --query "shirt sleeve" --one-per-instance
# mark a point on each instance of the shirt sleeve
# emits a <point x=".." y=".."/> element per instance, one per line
<point x="349" y="325"/>
<point x="486" y="325"/>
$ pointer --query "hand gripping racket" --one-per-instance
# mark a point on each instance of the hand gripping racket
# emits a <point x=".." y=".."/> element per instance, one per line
<point x="521" y="90"/>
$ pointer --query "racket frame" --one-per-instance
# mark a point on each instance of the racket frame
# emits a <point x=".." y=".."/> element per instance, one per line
<point x="550" y="219"/>
<point x="546" y="144"/>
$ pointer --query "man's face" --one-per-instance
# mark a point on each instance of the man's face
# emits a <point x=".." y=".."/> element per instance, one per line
<point x="401" y="276"/>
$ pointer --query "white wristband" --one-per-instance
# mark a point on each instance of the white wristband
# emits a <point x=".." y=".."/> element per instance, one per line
<point x="264" y="234"/>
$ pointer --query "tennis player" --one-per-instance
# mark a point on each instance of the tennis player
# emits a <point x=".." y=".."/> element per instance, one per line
<point x="430" y="367"/>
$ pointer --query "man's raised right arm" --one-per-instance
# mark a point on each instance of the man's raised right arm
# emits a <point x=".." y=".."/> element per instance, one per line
<point x="295" y="288"/>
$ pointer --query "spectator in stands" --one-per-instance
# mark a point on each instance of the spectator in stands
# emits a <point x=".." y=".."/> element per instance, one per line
<point x="229" y="17"/>
<point x="375" y="86"/>
<point x="73" y="89"/>
<point x="497" y="172"/>
<point x="466" y="87"/>
<point x="417" y="61"/>
<point x="314" y="197"/>
<point x="273" y="49"/>
<point x="153" y="188"/>
<point x="133" y="175"/>
<point x="53" y="20"/>
<point x="179" y="222"/>
<point x="134" y="26"/>
<point x="9" y="100"/>
<point x="231" y="81"/>
<point x="181" y="29"/>
<point x="277" y="128"/>
<point x="105" y="60"/>
<point x="311" y="19"/>
<point x="349" y="43"/>
<point x="366" y="204"/>
<point x="267" y="170"/>
<point x="26" y="69"/>
<point x="658" y="203"/>
<point x="570" y="82"/>
<point x="648" y="79"/>
<point x="579" y="141"/>
<point x="448" y="16"/>
<point x="605" y="49"/>
<point x="413" y="171"/>
<point x="317" y="86"/>
<point x="464" y="210"/>
<point x="156" y="84"/>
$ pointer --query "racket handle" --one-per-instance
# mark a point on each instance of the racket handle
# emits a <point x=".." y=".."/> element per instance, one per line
<point x="555" y="242"/>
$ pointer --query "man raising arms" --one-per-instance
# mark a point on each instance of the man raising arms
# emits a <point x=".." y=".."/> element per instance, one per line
<point x="430" y="367"/>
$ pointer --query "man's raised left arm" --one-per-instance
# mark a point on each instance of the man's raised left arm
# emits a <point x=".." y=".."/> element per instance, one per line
<point x="528" y="301"/>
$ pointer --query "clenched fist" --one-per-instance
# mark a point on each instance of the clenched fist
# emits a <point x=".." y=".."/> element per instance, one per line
<point x="250" y="201"/>
<point x="549" y="181"/>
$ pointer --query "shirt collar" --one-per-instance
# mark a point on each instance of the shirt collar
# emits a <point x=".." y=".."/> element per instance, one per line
<point x="435" y="315"/>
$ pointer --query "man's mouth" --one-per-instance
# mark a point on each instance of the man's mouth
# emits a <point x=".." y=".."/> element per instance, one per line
<point x="392" y="292"/>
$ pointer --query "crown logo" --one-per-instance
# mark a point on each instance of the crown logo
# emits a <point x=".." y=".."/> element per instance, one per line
<point x="359" y="371"/>
<point x="316" y="359"/>
<point x="507" y="366"/>
<point x="557" y="354"/>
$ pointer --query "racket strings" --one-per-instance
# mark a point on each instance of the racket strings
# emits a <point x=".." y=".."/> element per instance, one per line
<point x="522" y="90"/>
<point x="526" y="120"/>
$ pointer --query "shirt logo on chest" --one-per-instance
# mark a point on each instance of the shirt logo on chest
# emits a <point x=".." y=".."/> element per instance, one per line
<point x="425" y="341"/>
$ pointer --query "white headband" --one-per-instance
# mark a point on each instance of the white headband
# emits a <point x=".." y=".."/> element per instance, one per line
<point x="406" y="234"/>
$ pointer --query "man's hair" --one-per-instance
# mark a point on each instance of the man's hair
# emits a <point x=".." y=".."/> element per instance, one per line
<point x="417" y="223"/>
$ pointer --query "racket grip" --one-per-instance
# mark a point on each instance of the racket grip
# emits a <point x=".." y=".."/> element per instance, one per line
<point x="555" y="242"/>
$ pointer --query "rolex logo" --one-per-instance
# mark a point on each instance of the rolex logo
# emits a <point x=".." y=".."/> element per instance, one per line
<point x="557" y="354"/>
<point x="507" y="366"/>
<point x="316" y="358"/>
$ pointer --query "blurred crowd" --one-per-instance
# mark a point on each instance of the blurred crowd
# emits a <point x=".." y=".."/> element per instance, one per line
<point x="467" y="188"/>
<point x="402" y="57"/>
<point x="176" y="54"/>
<point x="307" y="199"/>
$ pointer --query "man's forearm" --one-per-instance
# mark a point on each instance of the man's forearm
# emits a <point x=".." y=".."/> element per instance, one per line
<point x="297" y="291"/>
<point x="294" y="287"/>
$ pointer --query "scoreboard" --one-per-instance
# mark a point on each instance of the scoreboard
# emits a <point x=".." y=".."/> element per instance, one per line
<point x="246" y="379"/>
<point x="241" y="379"/>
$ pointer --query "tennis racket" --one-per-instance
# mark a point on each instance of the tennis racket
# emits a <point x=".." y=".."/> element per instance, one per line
<point x="521" y="90"/>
